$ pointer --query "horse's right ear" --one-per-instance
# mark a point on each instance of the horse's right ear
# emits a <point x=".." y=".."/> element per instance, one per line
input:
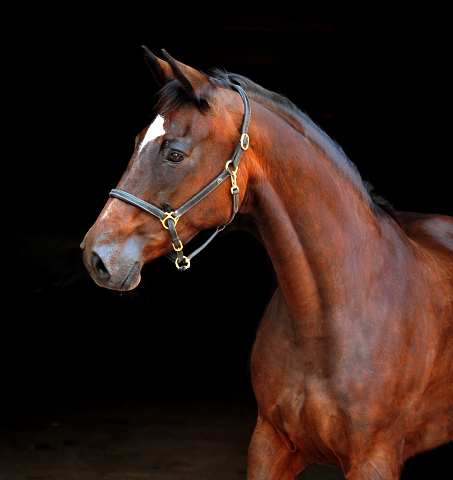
<point x="160" y="69"/>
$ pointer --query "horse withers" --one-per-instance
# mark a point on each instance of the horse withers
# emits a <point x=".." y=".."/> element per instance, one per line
<point x="353" y="361"/>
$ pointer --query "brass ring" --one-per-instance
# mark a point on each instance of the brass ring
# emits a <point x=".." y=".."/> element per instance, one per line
<point x="232" y="172"/>
<point x="168" y="217"/>
<point x="184" y="267"/>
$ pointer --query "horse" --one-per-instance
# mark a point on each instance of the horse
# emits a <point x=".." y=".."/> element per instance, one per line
<point x="352" y="363"/>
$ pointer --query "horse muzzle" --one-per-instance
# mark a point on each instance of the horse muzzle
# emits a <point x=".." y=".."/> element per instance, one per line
<point x="111" y="265"/>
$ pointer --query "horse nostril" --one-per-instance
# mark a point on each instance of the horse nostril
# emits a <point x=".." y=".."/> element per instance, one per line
<point x="98" y="266"/>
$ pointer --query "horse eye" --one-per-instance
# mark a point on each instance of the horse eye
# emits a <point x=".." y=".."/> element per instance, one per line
<point x="175" y="157"/>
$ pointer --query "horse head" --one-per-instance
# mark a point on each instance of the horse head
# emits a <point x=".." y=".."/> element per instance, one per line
<point x="186" y="146"/>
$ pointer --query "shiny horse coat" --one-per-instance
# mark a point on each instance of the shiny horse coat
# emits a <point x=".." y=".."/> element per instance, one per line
<point x="353" y="361"/>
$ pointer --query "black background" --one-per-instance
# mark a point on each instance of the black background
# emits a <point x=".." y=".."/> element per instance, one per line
<point x="375" y="77"/>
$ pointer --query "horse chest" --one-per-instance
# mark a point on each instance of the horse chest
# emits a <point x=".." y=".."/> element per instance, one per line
<point x="294" y="395"/>
<point x="302" y="410"/>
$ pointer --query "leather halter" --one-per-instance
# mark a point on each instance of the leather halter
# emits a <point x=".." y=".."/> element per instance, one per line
<point x="170" y="218"/>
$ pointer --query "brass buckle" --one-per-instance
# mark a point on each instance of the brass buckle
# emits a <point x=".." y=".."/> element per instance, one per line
<point x="177" y="249"/>
<point x="169" y="216"/>
<point x="245" y="141"/>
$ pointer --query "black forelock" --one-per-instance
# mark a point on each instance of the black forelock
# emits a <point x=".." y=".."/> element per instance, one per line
<point x="172" y="95"/>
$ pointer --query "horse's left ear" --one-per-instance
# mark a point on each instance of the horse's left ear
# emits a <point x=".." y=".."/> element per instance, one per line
<point x="198" y="87"/>
<point x="160" y="69"/>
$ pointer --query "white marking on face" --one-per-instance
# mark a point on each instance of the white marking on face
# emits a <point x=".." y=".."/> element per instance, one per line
<point x="155" y="130"/>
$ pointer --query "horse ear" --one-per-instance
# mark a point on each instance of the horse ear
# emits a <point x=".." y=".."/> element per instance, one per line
<point x="160" y="69"/>
<point x="195" y="84"/>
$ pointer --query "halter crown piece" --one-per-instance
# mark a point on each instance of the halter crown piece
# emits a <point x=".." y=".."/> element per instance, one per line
<point x="170" y="218"/>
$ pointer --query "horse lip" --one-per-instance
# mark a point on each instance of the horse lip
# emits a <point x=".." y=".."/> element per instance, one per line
<point x="133" y="278"/>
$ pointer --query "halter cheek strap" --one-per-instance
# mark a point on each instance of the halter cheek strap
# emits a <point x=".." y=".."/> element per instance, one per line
<point x="170" y="218"/>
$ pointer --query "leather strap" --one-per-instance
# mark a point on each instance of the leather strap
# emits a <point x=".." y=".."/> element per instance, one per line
<point x="198" y="197"/>
<point x="169" y="218"/>
<point x="241" y="147"/>
<point x="138" y="202"/>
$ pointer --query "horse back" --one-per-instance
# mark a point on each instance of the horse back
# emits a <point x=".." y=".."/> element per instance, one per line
<point x="431" y="231"/>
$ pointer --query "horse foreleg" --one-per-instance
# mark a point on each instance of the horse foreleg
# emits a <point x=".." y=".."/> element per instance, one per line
<point x="270" y="457"/>
<point x="381" y="465"/>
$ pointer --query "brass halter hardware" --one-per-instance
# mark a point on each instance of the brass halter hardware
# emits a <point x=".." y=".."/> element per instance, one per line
<point x="186" y="266"/>
<point x="233" y="175"/>
<point x="245" y="141"/>
<point x="169" y="216"/>
<point x="176" y="249"/>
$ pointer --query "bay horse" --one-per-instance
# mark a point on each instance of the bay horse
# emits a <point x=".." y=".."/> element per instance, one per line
<point x="353" y="360"/>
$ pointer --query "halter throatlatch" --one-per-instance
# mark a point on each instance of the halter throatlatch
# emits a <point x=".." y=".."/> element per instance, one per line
<point x="170" y="218"/>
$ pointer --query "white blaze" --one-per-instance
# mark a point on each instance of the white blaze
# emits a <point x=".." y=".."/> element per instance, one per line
<point x="156" y="129"/>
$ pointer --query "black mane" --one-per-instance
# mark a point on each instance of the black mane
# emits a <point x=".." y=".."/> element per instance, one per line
<point x="172" y="95"/>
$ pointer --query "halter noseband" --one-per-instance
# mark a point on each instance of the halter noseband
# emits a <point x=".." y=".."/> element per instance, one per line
<point x="170" y="218"/>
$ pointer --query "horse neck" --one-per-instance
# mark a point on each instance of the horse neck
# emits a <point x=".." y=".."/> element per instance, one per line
<point x="314" y="216"/>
